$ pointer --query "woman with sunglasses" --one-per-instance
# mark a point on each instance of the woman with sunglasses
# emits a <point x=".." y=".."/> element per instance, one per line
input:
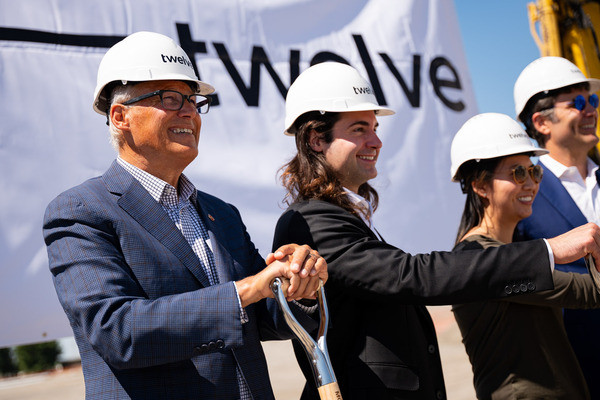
<point x="517" y="346"/>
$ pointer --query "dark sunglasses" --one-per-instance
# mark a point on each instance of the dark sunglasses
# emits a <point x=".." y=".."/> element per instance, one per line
<point x="579" y="102"/>
<point x="520" y="174"/>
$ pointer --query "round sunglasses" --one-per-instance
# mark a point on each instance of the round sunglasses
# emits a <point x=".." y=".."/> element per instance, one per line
<point x="520" y="173"/>
<point x="579" y="102"/>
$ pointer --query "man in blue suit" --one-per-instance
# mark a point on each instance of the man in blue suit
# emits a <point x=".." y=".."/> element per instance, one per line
<point x="558" y="107"/>
<point x="164" y="290"/>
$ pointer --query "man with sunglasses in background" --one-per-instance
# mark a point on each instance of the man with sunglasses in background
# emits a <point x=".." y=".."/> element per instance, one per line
<point x="558" y="106"/>
<point x="161" y="283"/>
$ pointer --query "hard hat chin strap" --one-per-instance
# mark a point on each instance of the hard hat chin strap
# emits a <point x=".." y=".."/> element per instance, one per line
<point x="463" y="186"/>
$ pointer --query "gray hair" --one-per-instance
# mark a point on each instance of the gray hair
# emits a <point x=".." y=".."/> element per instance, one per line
<point x="119" y="94"/>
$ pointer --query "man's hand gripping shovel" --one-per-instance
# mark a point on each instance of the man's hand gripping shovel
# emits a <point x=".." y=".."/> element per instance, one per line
<point x="315" y="350"/>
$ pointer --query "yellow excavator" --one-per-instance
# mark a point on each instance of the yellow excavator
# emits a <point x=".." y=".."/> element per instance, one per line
<point x="569" y="29"/>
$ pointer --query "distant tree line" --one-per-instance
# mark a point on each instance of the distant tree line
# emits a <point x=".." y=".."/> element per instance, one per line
<point x="29" y="358"/>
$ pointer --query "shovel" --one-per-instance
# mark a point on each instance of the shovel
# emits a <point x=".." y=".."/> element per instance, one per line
<point x="315" y="350"/>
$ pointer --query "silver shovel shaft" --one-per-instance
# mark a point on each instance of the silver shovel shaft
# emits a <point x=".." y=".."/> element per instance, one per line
<point x="315" y="350"/>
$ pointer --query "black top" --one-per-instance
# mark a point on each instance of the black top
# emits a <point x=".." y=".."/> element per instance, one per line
<point x="518" y="346"/>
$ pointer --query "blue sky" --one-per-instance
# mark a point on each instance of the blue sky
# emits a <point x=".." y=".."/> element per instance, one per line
<point x="498" y="45"/>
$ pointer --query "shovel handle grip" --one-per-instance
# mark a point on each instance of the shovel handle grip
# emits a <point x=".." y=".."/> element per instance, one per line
<point x="330" y="391"/>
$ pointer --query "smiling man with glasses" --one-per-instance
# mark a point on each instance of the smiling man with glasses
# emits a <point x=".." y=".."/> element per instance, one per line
<point x="558" y="106"/>
<point x="164" y="290"/>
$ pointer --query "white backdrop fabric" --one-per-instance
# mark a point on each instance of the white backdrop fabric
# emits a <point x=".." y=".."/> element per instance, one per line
<point x="250" y="50"/>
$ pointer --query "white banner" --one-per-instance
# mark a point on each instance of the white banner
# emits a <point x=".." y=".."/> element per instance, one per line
<point x="250" y="50"/>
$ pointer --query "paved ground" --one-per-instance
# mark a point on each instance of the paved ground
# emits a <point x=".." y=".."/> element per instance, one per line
<point x="285" y="375"/>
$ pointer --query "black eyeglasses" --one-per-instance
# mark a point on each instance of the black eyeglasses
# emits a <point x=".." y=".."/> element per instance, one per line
<point x="520" y="174"/>
<point x="579" y="102"/>
<point x="173" y="100"/>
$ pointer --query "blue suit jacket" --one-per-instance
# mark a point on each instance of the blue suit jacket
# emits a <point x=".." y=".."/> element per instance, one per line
<point x="146" y="321"/>
<point x="554" y="213"/>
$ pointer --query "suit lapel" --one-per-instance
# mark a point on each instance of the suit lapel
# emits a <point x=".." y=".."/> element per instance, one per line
<point x="378" y="235"/>
<point x="138" y="203"/>
<point x="223" y="260"/>
<point x="374" y="233"/>
<point x="557" y="196"/>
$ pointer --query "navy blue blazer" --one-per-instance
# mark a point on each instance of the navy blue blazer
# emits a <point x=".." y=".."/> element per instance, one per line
<point x="554" y="213"/>
<point x="146" y="321"/>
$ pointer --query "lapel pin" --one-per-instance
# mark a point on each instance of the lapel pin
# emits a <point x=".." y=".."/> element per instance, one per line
<point x="211" y="218"/>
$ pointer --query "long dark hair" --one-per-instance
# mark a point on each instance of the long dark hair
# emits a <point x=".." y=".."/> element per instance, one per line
<point x="480" y="172"/>
<point x="309" y="176"/>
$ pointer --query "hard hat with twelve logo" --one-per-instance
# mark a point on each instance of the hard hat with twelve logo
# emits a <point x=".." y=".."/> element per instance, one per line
<point x="489" y="135"/>
<point x="329" y="87"/>
<point x="144" y="56"/>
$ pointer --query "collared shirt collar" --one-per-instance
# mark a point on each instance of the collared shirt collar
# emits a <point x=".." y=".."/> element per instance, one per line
<point x="160" y="190"/>
<point x="562" y="171"/>
<point x="583" y="190"/>
<point x="364" y="207"/>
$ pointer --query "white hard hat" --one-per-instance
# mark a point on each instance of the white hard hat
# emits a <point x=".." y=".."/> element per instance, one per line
<point x="545" y="74"/>
<point x="144" y="56"/>
<point x="329" y="87"/>
<point x="489" y="135"/>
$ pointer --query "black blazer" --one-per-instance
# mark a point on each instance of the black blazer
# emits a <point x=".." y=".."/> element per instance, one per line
<point x="382" y="341"/>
